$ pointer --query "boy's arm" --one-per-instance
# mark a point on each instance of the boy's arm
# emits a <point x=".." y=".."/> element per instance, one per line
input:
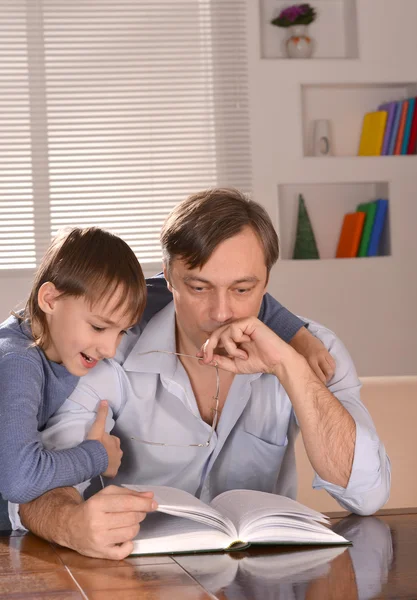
<point x="294" y="331"/>
<point x="27" y="469"/>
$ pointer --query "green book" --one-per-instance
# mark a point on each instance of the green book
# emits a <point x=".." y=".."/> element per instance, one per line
<point x="369" y="208"/>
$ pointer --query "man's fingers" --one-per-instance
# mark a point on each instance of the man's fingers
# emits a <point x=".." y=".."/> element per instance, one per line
<point x="126" y="519"/>
<point x="122" y="534"/>
<point x="119" y="551"/>
<point x="117" y="503"/>
<point x="116" y="489"/>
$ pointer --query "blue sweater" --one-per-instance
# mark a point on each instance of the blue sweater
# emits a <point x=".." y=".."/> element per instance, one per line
<point x="33" y="389"/>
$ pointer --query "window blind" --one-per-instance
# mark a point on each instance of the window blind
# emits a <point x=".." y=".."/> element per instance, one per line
<point x="127" y="108"/>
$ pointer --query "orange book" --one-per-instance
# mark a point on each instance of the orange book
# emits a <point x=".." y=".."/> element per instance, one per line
<point x="401" y="128"/>
<point x="350" y="235"/>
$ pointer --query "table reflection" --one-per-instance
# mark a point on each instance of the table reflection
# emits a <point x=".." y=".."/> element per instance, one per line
<point x="357" y="572"/>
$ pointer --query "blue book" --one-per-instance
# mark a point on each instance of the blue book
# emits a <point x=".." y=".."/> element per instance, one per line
<point x="391" y="109"/>
<point x="395" y="127"/>
<point x="408" y="122"/>
<point x="377" y="229"/>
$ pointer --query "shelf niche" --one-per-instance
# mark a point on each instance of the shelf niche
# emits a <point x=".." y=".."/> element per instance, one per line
<point x="345" y="106"/>
<point x="326" y="204"/>
<point x="334" y="31"/>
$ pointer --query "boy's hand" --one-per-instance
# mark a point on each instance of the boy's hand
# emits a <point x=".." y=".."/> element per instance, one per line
<point x="111" y="443"/>
<point x="317" y="356"/>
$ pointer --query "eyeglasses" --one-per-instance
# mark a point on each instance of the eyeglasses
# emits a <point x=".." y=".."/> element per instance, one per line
<point x="214" y="410"/>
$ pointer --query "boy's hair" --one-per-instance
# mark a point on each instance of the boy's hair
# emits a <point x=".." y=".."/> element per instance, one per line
<point x="92" y="263"/>
<point x="196" y="226"/>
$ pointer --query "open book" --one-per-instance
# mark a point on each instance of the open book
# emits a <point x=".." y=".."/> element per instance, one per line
<point x="232" y="521"/>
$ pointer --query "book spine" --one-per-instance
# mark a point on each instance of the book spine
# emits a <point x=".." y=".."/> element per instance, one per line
<point x="413" y="133"/>
<point x="395" y="128"/>
<point x="408" y="123"/>
<point x="379" y="222"/>
<point x="401" y="128"/>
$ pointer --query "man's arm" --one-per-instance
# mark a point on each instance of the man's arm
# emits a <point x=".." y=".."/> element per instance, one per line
<point x="278" y="318"/>
<point x="340" y="438"/>
<point x="112" y="516"/>
<point x="102" y="527"/>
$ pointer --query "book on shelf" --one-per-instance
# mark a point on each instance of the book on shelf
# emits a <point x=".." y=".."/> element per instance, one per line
<point x="374" y="248"/>
<point x="391" y="110"/>
<point x="412" y="143"/>
<point x="232" y="521"/>
<point x="372" y="135"/>
<point x="350" y="235"/>
<point x="408" y="123"/>
<point x="401" y="128"/>
<point x="395" y="127"/>
<point x="369" y="208"/>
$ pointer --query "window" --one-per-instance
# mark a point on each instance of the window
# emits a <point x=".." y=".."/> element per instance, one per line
<point x="113" y="112"/>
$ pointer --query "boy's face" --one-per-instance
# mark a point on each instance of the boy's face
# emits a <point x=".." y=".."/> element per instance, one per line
<point x="229" y="286"/>
<point x="81" y="334"/>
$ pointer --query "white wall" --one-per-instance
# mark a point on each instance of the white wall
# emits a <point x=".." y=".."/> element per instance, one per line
<point x="370" y="303"/>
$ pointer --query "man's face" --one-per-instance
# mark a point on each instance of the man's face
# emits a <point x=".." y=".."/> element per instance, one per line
<point x="228" y="287"/>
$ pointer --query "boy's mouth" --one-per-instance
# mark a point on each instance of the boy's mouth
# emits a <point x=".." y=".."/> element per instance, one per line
<point x="88" y="361"/>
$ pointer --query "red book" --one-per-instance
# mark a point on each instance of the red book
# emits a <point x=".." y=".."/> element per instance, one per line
<point x="401" y="128"/>
<point x="350" y="235"/>
<point x="412" y="142"/>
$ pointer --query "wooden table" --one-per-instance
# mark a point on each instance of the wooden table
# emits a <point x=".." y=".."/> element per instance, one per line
<point x="382" y="563"/>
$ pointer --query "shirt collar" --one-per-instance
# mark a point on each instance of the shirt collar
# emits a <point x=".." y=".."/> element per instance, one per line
<point x="159" y="334"/>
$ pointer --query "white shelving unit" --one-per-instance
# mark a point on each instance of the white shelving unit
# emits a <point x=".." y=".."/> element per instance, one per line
<point x="338" y="199"/>
<point x="335" y="33"/>
<point x="366" y="55"/>
<point x="344" y="106"/>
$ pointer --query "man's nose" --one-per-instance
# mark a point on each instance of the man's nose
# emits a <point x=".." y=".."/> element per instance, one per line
<point x="220" y="309"/>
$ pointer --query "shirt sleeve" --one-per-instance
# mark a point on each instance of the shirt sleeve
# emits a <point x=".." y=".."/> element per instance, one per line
<point x="158" y="296"/>
<point x="370" y="480"/>
<point x="27" y="468"/>
<point x="279" y="319"/>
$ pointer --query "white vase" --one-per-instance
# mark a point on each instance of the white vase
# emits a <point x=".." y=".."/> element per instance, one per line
<point x="299" y="44"/>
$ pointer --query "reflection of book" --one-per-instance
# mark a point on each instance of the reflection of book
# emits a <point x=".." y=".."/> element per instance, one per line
<point x="232" y="521"/>
<point x="220" y="571"/>
<point x="378" y="228"/>
<point x="350" y="235"/>
<point x="369" y="208"/>
<point x="372" y="136"/>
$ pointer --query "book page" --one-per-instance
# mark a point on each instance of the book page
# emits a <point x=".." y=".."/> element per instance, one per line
<point x="262" y="517"/>
<point x="173" y="501"/>
<point x="163" y="533"/>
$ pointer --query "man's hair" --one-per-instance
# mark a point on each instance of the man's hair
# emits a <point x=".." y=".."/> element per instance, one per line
<point x="196" y="226"/>
<point x="90" y="263"/>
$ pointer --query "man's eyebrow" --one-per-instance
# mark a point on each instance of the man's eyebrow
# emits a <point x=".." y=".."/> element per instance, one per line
<point x="249" y="279"/>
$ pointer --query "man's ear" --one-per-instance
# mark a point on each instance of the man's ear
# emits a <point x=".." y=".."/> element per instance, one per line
<point x="167" y="277"/>
<point x="47" y="297"/>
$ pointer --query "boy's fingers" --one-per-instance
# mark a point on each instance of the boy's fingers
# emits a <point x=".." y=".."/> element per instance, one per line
<point x="98" y="428"/>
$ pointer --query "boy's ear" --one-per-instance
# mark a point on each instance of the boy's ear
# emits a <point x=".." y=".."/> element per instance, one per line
<point x="166" y="275"/>
<point x="47" y="296"/>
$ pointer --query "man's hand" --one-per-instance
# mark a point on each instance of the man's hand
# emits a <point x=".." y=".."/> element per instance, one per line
<point x="317" y="356"/>
<point x="105" y="525"/>
<point x="111" y="443"/>
<point x="102" y="527"/>
<point x="251" y="347"/>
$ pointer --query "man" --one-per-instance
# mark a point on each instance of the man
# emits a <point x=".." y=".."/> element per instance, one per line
<point x="181" y="426"/>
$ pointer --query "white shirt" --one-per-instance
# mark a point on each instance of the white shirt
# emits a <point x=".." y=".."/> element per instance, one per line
<point x="151" y="398"/>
